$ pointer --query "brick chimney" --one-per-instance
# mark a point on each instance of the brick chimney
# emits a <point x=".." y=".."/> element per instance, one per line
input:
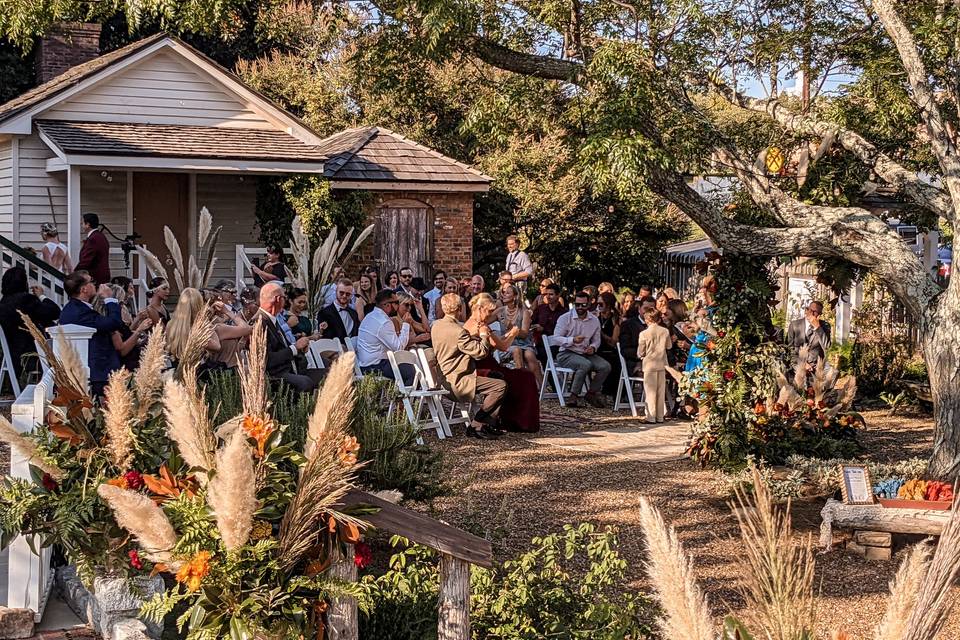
<point x="67" y="45"/>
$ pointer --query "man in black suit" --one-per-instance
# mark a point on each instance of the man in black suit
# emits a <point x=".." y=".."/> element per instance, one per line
<point x="809" y="332"/>
<point x="341" y="318"/>
<point x="285" y="355"/>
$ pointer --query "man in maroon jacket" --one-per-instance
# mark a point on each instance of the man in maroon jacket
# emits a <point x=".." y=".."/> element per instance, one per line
<point x="95" y="251"/>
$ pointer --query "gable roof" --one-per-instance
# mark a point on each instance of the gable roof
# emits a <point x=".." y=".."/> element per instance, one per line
<point x="378" y="155"/>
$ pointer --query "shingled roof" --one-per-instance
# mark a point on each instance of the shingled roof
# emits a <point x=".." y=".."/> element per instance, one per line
<point x="375" y="154"/>
<point x="176" y="141"/>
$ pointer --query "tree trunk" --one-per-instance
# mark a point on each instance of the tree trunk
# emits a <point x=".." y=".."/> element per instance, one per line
<point x="942" y="350"/>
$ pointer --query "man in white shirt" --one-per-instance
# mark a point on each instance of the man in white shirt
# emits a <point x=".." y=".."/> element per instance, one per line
<point x="518" y="264"/>
<point x="439" y="280"/>
<point x="285" y="358"/>
<point x="382" y="331"/>
<point x="578" y="335"/>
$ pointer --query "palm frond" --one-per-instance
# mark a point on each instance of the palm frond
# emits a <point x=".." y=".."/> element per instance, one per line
<point x="204" y="224"/>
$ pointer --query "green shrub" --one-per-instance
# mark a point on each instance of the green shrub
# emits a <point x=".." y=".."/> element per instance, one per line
<point x="569" y="585"/>
<point x="915" y="369"/>
<point x="877" y="365"/>
<point x="289" y="407"/>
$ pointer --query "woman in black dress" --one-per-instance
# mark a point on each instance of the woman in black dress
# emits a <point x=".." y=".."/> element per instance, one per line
<point x="17" y="298"/>
<point x="272" y="270"/>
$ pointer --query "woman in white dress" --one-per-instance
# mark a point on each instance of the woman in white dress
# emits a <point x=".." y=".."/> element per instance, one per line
<point x="55" y="252"/>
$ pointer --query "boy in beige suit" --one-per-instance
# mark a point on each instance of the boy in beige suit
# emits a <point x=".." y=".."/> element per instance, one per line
<point x="652" y="349"/>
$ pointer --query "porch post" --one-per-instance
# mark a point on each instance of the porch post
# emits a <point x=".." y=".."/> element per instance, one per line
<point x="73" y="213"/>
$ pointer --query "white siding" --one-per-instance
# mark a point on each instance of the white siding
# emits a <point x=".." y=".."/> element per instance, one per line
<point x="107" y="197"/>
<point x="6" y="188"/>
<point x="37" y="190"/>
<point x="163" y="89"/>
<point x="232" y="203"/>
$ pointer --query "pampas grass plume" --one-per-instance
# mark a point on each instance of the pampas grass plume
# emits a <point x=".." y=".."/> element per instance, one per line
<point x="904" y="591"/>
<point x="149" y="380"/>
<point x="27" y="448"/>
<point x="232" y="492"/>
<point x="188" y="425"/>
<point x="332" y="411"/>
<point x="686" y="615"/>
<point x="117" y="416"/>
<point x="139" y="515"/>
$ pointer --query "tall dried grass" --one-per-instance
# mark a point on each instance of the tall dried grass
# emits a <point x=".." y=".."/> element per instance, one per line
<point x="686" y="614"/>
<point x="904" y="592"/>
<point x="933" y="603"/>
<point x="331" y="414"/>
<point x="188" y="423"/>
<point x="27" y="448"/>
<point x="779" y="572"/>
<point x="149" y="379"/>
<point x="138" y="514"/>
<point x="253" y="374"/>
<point x="69" y="373"/>
<point x="118" y="414"/>
<point x="232" y="492"/>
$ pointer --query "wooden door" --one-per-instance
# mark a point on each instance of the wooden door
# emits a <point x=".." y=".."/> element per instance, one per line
<point x="405" y="237"/>
<point x="162" y="199"/>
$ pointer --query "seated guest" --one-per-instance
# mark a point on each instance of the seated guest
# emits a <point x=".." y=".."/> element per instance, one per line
<point x="476" y="285"/>
<point x="295" y="312"/>
<point x="189" y="306"/>
<point x="592" y="294"/>
<point x="418" y="311"/>
<point x="606" y="287"/>
<point x="410" y="311"/>
<point x="365" y="293"/>
<point x="340" y="318"/>
<point x="285" y="354"/>
<point x="609" y="315"/>
<point x="392" y="281"/>
<point x="578" y="335"/>
<point x="102" y="357"/>
<point x="451" y="285"/>
<point x="630" y="329"/>
<point x="329" y="291"/>
<point x="457" y="354"/>
<point x="512" y="314"/>
<point x="645" y="291"/>
<point x="233" y="331"/>
<point x="227" y="293"/>
<point x="627" y="300"/>
<point x="545" y="316"/>
<point x="546" y="282"/>
<point x="158" y="290"/>
<point x="382" y="331"/>
<point x="16" y="298"/>
<point x="406" y="279"/>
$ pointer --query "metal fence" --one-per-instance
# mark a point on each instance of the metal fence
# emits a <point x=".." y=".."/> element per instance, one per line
<point x="677" y="270"/>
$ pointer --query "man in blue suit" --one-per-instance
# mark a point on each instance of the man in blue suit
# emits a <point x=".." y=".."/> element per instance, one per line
<point x="102" y="356"/>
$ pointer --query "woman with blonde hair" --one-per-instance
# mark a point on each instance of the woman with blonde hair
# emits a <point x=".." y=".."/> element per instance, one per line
<point x="189" y="306"/>
<point x="419" y="331"/>
<point x="451" y="285"/>
<point x="514" y="314"/>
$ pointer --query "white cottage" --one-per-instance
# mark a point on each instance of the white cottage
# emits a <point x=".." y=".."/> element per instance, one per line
<point x="147" y="135"/>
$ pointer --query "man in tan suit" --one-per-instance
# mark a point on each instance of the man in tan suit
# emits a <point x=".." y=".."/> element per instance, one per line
<point x="457" y="353"/>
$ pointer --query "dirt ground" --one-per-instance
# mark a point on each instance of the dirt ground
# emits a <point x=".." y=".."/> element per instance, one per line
<point x="512" y="489"/>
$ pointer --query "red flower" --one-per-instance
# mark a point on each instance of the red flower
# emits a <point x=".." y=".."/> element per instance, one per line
<point x="721" y="334"/>
<point x="728" y="375"/>
<point x="49" y="483"/>
<point x="134" y="479"/>
<point x="135" y="560"/>
<point x="362" y="554"/>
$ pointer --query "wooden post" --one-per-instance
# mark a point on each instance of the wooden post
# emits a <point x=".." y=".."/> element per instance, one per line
<point x="454" y="615"/>
<point x="342" y="616"/>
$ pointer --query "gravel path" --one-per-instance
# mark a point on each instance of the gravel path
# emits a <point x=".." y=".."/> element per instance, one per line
<point x="511" y="490"/>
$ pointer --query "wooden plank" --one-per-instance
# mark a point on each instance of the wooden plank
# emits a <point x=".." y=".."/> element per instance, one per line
<point x="453" y="620"/>
<point x="342" y="617"/>
<point x="423" y="530"/>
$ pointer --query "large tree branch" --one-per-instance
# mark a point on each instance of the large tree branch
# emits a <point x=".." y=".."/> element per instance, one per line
<point x="528" y="64"/>
<point x="922" y="193"/>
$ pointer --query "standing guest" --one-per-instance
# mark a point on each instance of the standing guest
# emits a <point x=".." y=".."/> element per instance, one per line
<point x="545" y="316"/>
<point x="452" y="285"/>
<point x="457" y="353"/>
<point x="645" y="291"/>
<point x="392" y="281"/>
<point x="295" y="314"/>
<point x="811" y="332"/>
<point x="608" y="312"/>
<point x="227" y="294"/>
<point x="341" y="319"/>
<point x="671" y="293"/>
<point x="273" y="270"/>
<point x="406" y="278"/>
<point x="190" y="304"/>
<point x="505" y="277"/>
<point x="233" y="332"/>
<point x="630" y="329"/>
<point x="285" y="357"/>
<point x="127" y="340"/>
<point x="578" y="335"/>
<point x="704" y="308"/>
<point x="382" y="331"/>
<point x="439" y="280"/>
<point x="546" y="282"/>
<point x="476" y="285"/>
<point x="158" y="290"/>
<point x="518" y="264"/>
<point x="466" y="289"/>
<point x="102" y="357"/>
<point x="365" y="293"/>
<point x="54" y="252"/>
<point x="514" y="314"/>
<point x="606" y="287"/>
<point x="95" y="250"/>
<point x="130" y="294"/>
<point x="592" y="298"/>
<point x="675" y="321"/>
<point x="652" y="350"/>
<point x="250" y="303"/>
<point x="627" y="300"/>
<point x="16" y="299"/>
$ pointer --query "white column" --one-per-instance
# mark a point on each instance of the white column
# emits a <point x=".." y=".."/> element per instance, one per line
<point x="73" y="213"/>
<point x="77" y="336"/>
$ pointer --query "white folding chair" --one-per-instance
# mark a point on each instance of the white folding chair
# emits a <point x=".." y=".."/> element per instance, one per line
<point x="559" y="376"/>
<point x="351" y="345"/>
<point x="323" y="345"/>
<point x="427" y="357"/>
<point x="418" y="393"/>
<point x="8" y="368"/>
<point x="626" y="385"/>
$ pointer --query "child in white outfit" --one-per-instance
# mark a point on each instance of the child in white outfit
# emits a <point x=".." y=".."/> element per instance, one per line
<point x="652" y="350"/>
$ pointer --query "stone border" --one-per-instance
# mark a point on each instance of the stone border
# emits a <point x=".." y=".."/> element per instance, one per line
<point x="112" y="609"/>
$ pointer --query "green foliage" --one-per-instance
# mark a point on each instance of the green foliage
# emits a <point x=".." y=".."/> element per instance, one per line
<point x="289" y="407"/>
<point x="569" y="585"/>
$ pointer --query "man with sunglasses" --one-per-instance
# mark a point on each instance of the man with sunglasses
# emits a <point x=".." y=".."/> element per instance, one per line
<point x="578" y="334"/>
<point x="811" y="332"/>
<point x="406" y="281"/>
<point x="382" y="331"/>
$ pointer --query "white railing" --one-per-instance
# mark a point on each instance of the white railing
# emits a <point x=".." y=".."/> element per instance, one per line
<point x="243" y="277"/>
<point x="138" y="271"/>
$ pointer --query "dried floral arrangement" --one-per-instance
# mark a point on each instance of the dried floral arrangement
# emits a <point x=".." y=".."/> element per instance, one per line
<point x="190" y="273"/>
<point x="778" y="585"/>
<point x="245" y="524"/>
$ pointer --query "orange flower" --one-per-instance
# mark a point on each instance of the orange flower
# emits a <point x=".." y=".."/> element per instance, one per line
<point x="259" y="429"/>
<point x="194" y="571"/>
<point x="119" y="482"/>
<point x="349" y="448"/>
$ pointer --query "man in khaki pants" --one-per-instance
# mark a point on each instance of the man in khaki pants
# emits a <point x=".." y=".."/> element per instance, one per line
<point x="652" y="349"/>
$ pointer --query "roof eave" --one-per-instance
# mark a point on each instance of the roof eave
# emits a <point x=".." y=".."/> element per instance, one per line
<point x="400" y="185"/>
<point x="164" y="163"/>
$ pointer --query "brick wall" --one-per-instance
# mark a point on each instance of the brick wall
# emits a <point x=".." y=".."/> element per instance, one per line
<point x="67" y="45"/>
<point x="452" y="232"/>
